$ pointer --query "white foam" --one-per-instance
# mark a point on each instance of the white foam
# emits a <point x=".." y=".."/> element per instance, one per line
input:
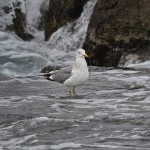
<point x="65" y="145"/>
<point x="141" y="80"/>
<point x="120" y="71"/>
<point x="6" y="19"/>
<point x="41" y="119"/>
<point x="14" y="143"/>
<point x="33" y="12"/>
<point x="109" y="91"/>
<point x="72" y="36"/>
<point x="138" y="93"/>
<point x="142" y="65"/>
<point x="147" y="99"/>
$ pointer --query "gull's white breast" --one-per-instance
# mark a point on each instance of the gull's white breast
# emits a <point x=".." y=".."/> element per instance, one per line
<point x="80" y="74"/>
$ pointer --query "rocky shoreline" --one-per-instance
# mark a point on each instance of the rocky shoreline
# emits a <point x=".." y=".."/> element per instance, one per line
<point x="117" y="28"/>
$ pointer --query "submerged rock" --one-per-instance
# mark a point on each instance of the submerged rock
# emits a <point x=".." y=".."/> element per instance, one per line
<point x="48" y="69"/>
<point x="117" y="26"/>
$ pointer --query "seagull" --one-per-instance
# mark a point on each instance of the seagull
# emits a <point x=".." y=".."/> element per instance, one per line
<point x="72" y="76"/>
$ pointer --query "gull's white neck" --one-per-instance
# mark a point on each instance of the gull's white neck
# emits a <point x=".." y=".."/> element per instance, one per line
<point x="81" y="62"/>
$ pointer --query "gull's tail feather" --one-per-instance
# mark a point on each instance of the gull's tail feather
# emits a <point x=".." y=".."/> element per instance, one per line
<point x="48" y="71"/>
<point x="49" y="74"/>
<point x="46" y="75"/>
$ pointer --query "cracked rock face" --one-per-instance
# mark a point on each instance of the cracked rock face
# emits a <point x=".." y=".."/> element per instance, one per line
<point x="117" y="26"/>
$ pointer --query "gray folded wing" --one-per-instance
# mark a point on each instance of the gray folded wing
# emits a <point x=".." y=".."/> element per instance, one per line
<point x="62" y="75"/>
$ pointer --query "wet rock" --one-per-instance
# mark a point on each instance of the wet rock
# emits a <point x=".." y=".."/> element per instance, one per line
<point x="18" y="24"/>
<point x="134" y="57"/>
<point x="117" y="26"/>
<point x="7" y="9"/>
<point x="60" y="12"/>
<point x="127" y="59"/>
<point x="10" y="27"/>
<point x="47" y="69"/>
<point x="43" y="9"/>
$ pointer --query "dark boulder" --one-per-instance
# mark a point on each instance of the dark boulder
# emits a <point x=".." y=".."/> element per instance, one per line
<point x="117" y="27"/>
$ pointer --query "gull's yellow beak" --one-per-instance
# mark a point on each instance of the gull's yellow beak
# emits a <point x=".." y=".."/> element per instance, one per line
<point x="85" y="55"/>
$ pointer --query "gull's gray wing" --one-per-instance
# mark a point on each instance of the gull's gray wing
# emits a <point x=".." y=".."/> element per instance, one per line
<point x="61" y="75"/>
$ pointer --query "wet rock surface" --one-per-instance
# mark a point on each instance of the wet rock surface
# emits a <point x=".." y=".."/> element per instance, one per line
<point x="19" y="23"/>
<point x="110" y="111"/>
<point x="117" y="27"/>
<point x="48" y="69"/>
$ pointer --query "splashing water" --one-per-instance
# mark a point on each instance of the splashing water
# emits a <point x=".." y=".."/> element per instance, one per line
<point x="27" y="58"/>
<point x="72" y="36"/>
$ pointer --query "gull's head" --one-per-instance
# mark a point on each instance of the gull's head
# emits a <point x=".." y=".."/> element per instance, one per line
<point x="81" y="53"/>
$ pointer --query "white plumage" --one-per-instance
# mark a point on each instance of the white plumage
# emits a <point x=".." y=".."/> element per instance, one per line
<point x="72" y="76"/>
